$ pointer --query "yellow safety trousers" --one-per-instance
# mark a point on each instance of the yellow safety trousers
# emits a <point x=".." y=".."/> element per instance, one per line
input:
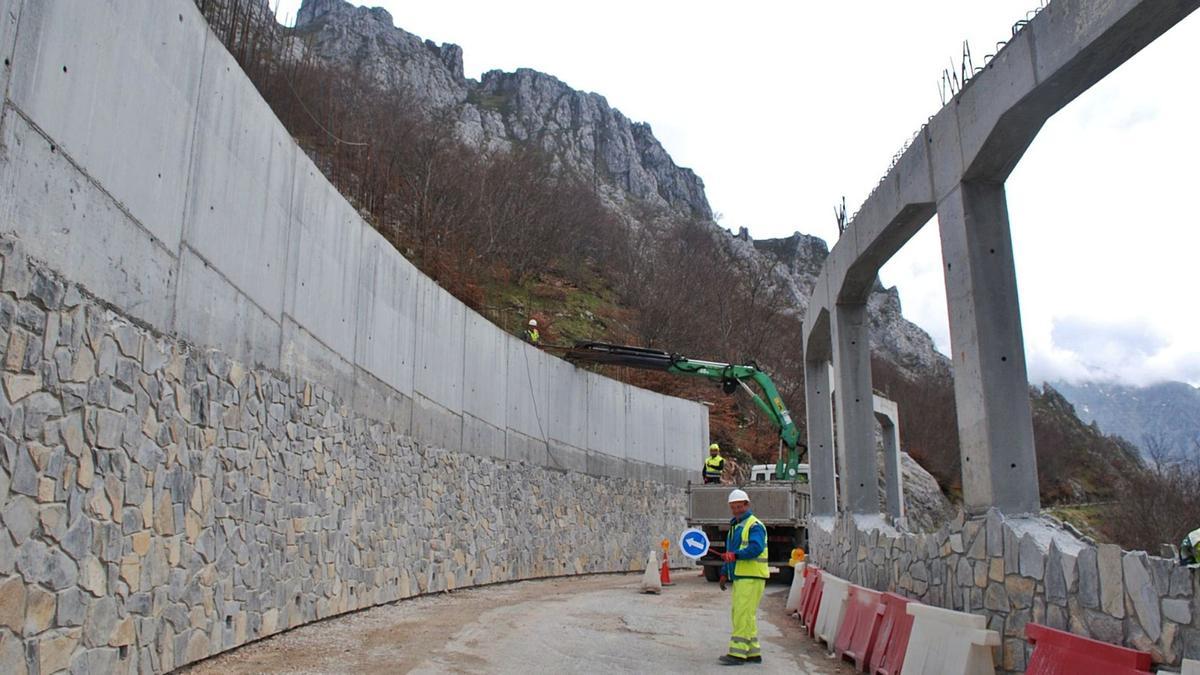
<point x="747" y="592"/>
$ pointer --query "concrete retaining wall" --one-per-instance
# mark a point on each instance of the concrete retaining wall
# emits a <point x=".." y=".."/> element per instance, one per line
<point x="140" y="162"/>
<point x="229" y="407"/>
<point x="1017" y="570"/>
<point x="161" y="503"/>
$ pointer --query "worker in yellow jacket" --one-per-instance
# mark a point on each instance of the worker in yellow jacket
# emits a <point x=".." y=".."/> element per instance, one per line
<point x="714" y="465"/>
<point x="746" y="566"/>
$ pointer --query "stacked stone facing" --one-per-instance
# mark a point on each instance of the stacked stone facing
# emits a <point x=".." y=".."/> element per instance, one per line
<point x="161" y="503"/>
<point x="1018" y="570"/>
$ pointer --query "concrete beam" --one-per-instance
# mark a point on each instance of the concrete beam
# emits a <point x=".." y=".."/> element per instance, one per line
<point x="982" y="133"/>
<point x="855" y="422"/>
<point x="888" y="415"/>
<point x="977" y="139"/>
<point x="822" y="467"/>
<point x="991" y="389"/>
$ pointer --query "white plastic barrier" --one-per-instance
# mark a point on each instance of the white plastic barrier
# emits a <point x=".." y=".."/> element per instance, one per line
<point x="793" y="599"/>
<point x="832" y="608"/>
<point x="651" y="581"/>
<point x="1190" y="667"/>
<point x="945" y="642"/>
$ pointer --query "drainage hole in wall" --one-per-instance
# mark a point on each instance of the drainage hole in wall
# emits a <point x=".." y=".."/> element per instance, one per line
<point x="181" y="18"/>
<point x="7" y="62"/>
<point x="228" y="621"/>
<point x="297" y="600"/>
<point x="1014" y="466"/>
<point x="64" y="69"/>
<point x="947" y="265"/>
<point x="53" y="149"/>
<point x="992" y="251"/>
<point x="123" y="652"/>
<point x="1003" y="358"/>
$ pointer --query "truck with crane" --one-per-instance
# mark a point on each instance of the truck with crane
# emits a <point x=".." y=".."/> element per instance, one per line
<point x="781" y="502"/>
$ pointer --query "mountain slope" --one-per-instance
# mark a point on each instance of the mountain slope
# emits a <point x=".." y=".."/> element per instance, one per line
<point x="583" y="134"/>
<point x="1159" y="417"/>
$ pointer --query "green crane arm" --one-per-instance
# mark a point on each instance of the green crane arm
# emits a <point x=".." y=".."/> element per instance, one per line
<point x="729" y="375"/>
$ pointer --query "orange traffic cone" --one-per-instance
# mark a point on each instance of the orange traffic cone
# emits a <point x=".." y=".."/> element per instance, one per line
<point x="664" y="574"/>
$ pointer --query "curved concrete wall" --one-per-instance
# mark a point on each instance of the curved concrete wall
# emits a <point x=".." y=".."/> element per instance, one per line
<point x="141" y="163"/>
<point x="229" y="407"/>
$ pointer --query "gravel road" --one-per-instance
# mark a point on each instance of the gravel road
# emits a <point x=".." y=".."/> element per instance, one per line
<point x="585" y="624"/>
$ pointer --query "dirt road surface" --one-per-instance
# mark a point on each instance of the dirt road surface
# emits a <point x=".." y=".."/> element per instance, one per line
<point x="597" y="624"/>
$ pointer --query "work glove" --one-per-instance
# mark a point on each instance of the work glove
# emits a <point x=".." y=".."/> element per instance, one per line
<point x="722" y="581"/>
<point x="729" y="556"/>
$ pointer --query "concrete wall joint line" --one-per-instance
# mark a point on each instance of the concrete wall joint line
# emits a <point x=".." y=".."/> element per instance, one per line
<point x="217" y="270"/>
<point x="184" y="230"/>
<point x="120" y="206"/>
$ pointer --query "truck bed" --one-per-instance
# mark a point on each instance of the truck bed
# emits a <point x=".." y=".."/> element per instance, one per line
<point x="783" y="503"/>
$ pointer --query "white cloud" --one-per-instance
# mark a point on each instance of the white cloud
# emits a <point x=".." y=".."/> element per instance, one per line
<point x="782" y="108"/>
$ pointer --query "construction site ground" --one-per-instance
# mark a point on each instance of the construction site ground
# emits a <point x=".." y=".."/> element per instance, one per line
<point x="583" y="624"/>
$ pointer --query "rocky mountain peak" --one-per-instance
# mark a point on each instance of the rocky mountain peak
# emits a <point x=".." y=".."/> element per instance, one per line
<point x="579" y="129"/>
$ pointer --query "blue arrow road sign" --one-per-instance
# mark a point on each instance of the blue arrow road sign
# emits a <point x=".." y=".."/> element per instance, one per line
<point x="693" y="543"/>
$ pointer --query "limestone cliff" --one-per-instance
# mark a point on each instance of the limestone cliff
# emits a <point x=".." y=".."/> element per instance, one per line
<point x="583" y="133"/>
<point x="579" y="129"/>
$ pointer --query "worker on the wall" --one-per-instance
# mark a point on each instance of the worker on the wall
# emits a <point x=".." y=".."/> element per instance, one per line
<point x="531" y="333"/>
<point x="746" y="566"/>
<point x="714" y="465"/>
<point x="1188" y="548"/>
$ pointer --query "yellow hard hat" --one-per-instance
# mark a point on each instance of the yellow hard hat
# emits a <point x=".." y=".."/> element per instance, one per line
<point x="714" y="446"/>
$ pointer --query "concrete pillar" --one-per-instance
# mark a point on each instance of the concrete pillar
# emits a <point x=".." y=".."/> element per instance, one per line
<point x="991" y="388"/>
<point x="855" y="409"/>
<point x="822" y="468"/>
<point x="889" y="421"/>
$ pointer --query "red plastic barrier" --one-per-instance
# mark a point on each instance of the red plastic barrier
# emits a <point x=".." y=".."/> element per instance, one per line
<point x="864" y="611"/>
<point x="813" y="603"/>
<point x="810" y="575"/>
<point x="1057" y="651"/>
<point x="891" y="640"/>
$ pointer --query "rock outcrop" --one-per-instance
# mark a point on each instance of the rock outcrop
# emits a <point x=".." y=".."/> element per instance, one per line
<point x="579" y="129"/>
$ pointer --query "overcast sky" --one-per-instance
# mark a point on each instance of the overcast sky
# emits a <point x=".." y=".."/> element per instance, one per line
<point x="784" y="107"/>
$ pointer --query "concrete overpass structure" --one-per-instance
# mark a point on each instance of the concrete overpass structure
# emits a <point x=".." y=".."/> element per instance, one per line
<point x="956" y="168"/>
<point x="999" y="558"/>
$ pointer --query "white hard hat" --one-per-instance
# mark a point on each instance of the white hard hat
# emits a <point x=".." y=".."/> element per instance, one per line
<point x="533" y="322"/>
<point x="738" y="496"/>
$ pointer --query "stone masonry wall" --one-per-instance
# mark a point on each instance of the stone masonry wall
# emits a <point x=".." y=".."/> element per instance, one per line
<point x="1019" y="570"/>
<point x="161" y="503"/>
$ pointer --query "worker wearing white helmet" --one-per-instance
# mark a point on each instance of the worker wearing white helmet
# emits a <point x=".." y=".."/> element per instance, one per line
<point x="531" y="333"/>
<point x="746" y="565"/>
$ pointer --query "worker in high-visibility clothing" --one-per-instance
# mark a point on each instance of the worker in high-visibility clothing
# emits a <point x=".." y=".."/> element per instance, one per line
<point x="532" y="336"/>
<point x="746" y="566"/>
<point x="1188" y="548"/>
<point x="714" y="465"/>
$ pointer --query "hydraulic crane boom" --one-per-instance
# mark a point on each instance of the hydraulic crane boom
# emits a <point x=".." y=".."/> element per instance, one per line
<point x="730" y="376"/>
